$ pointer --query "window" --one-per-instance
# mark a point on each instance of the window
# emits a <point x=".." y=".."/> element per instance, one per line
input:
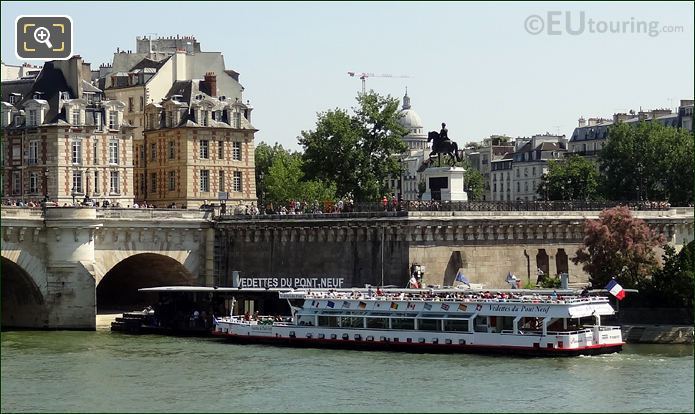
<point x="77" y="152"/>
<point x="32" y="119"/>
<point x="517" y="173"/>
<point x="115" y="182"/>
<point x="221" y="181"/>
<point x="113" y="152"/>
<point x="113" y="120"/>
<point x="153" y="151"/>
<point x="130" y="104"/>
<point x="167" y="119"/>
<point x="16" y="182"/>
<point x="236" y="183"/>
<point x="14" y="98"/>
<point x="75" y="117"/>
<point x="236" y="151"/>
<point x="172" y="181"/>
<point x="33" y="183"/>
<point x="204" y="153"/>
<point x="526" y="186"/>
<point x="95" y="151"/>
<point x="97" y="189"/>
<point x="204" y="181"/>
<point x="153" y="182"/>
<point x="220" y="150"/>
<point x="518" y="187"/>
<point x="237" y="120"/>
<point x="142" y="183"/>
<point x="33" y="152"/>
<point x="172" y="150"/>
<point x="142" y="103"/>
<point x="98" y="121"/>
<point x="534" y="171"/>
<point x="76" y="182"/>
<point x="16" y="152"/>
<point x="525" y="171"/>
<point x="203" y="118"/>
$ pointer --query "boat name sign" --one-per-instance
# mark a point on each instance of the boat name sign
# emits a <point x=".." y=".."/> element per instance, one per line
<point x="515" y="309"/>
<point x="291" y="282"/>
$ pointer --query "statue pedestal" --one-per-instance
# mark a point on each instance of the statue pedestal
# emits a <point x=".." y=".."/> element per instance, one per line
<point x="444" y="184"/>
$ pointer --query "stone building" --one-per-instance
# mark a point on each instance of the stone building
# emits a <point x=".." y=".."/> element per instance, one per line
<point x="64" y="141"/>
<point x="412" y="159"/>
<point x="589" y="137"/>
<point x="198" y="147"/>
<point x="146" y="76"/>
<point x="482" y="154"/>
<point x="530" y="163"/>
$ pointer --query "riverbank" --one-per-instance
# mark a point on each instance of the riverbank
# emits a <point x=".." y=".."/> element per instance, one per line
<point x="658" y="334"/>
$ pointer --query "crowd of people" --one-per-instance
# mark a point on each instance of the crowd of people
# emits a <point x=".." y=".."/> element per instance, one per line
<point x="433" y="296"/>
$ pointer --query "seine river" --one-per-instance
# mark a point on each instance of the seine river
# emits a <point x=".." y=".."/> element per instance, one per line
<point x="101" y="371"/>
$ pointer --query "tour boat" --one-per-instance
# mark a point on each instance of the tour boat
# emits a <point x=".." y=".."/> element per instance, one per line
<point x="529" y="322"/>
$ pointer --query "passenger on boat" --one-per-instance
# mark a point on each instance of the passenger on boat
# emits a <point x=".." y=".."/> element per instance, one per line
<point x="247" y="316"/>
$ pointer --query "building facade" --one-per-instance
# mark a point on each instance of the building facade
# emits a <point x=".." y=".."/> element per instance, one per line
<point x="481" y="156"/>
<point x="146" y="76"/>
<point x="412" y="160"/>
<point x="63" y="141"/>
<point x="198" y="148"/>
<point x="530" y="164"/>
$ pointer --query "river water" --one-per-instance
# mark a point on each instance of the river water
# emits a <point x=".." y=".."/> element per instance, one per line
<point x="104" y="371"/>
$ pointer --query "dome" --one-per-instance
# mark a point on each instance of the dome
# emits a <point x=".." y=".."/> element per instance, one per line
<point x="408" y="117"/>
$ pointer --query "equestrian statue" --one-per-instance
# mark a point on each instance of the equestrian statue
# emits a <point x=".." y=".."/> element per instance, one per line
<point x="441" y="144"/>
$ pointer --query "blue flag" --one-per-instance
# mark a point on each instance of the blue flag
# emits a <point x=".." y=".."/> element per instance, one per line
<point x="463" y="279"/>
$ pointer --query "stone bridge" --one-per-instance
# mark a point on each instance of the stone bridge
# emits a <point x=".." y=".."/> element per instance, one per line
<point x="59" y="265"/>
<point x="380" y="250"/>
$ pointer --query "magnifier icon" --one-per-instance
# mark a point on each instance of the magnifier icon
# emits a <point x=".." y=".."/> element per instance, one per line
<point x="42" y="35"/>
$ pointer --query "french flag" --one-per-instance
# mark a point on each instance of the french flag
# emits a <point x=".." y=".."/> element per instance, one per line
<point x="615" y="289"/>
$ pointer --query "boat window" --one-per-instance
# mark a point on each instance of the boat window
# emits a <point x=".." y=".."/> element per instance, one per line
<point x="428" y="324"/>
<point x="331" y="321"/>
<point x="456" y="326"/>
<point x="377" y="323"/>
<point x="507" y="323"/>
<point x="402" y="323"/>
<point x="433" y="315"/>
<point x="480" y="323"/>
<point x="351" y="322"/>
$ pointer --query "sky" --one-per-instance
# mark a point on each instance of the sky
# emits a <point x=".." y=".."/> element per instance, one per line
<point x="482" y="68"/>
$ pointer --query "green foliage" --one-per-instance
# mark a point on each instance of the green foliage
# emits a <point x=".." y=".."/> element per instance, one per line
<point x="473" y="181"/>
<point x="648" y="161"/>
<point x="551" y="282"/>
<point x="283" y="179"/>
<point x="618" y="245"/>
<point x="575" y="178"/>
<point x="356" y="151"/>
<point x="529" y="285"/>
<point x="673" y="285"/>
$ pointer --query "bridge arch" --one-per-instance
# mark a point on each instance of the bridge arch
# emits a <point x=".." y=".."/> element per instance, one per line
<point x="117" y="289"/>
<point x="23" y="302"/>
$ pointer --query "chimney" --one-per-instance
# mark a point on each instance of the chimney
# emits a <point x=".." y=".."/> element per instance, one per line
<point x="210" y="84"/>
<point x="620" y="117"/>
<point x="582" y="122"/>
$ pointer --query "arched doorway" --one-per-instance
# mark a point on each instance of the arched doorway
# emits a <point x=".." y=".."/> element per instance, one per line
<point x="118" y="289"/>
<point x="542" y="263"/>
<point x="23" y="305"/>
<point x="561" y="261"/>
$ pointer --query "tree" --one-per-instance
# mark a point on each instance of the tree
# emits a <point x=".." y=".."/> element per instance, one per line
<point x="473" y="181"/>
<point x="618" y="245"/>
<point x="357" y="152"/>
<point x="575" y="178"/>
<point x="647" y="161"/>
<point x="283" y="178"/>
<point x="264" y="155"/>
<point x="674" y="283"/>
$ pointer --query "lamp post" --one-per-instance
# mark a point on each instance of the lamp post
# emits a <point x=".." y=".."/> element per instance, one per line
<point x="72" y="193"/>
<point x="260" y="185"/>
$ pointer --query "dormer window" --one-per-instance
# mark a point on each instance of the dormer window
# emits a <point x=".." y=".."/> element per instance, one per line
<point x="113" y="120"/>
<point x="65" y="96"/>
<point x="167" y="119"/>
<point x="237" y="119"/>
<point x="15" y="98"/>
<point x="32" y="118"/>
<point x="75" y="120"/>
<point x="38" y="95"/>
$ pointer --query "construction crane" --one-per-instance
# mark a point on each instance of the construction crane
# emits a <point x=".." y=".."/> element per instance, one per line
<point x="364" y="76"/>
